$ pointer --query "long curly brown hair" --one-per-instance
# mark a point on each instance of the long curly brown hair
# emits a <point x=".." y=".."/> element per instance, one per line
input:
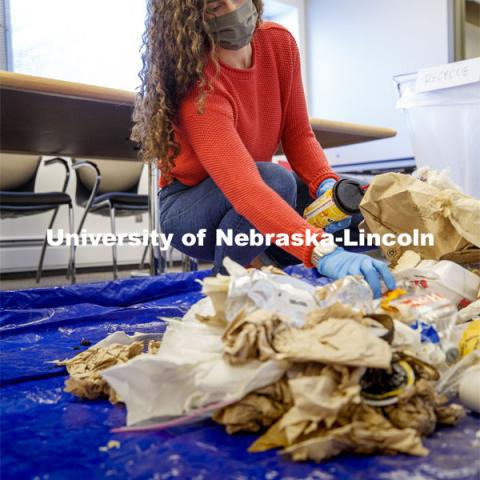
<point x="176" y="47"/>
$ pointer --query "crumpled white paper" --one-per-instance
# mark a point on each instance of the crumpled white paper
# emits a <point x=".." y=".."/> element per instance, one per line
<point x="123" y="339"/>
<point x="187" y="373"/>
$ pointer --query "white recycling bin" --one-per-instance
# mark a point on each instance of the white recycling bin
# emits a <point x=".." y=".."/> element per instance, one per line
<point x="444" y="127"/>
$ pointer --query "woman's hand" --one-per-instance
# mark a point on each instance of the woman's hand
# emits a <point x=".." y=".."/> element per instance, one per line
<point x="335" y="226"/>
<point x="325" y="185"/>
<point x="341" y="263"/>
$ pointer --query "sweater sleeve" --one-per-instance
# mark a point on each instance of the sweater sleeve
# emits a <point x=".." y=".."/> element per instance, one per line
<point x="213" y="137"/>
<point x="302" y="149"/>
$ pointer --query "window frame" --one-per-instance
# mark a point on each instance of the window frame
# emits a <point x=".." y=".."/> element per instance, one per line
<point x="7" y="53"/>
<point x="6" y="37"/>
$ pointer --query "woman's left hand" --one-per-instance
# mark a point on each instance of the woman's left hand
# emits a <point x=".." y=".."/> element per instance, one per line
<point x="335" y="226"/>
<point x="325" y="185"/>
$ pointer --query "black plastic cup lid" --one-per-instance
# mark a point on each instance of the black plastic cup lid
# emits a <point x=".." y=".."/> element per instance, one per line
<point x="347" y="195"/>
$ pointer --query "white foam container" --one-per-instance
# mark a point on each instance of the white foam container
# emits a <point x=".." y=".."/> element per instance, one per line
<point x="444" y="128"/>
<point x="444" y="277"/>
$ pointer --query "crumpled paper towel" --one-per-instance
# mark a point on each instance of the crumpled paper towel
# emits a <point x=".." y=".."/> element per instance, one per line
<point x="188" y="372"/>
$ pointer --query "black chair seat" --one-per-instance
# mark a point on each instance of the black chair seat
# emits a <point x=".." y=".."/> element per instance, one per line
<point x="33" y="200"/>
<point x="124" y="201"/>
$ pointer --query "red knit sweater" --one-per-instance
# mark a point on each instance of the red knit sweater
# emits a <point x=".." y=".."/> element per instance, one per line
<point x="247" y="115"/>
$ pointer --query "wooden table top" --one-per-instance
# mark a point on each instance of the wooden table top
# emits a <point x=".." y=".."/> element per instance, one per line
<point x="40" y="103"/>
<point x="30" y="83"/>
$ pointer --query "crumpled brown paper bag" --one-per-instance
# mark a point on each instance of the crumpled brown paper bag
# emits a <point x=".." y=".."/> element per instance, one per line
<point x="397" y="203"/>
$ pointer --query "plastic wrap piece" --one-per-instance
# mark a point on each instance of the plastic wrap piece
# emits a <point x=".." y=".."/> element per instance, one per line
<point x="309" y="275"/>
<point x="352" y="290"/>
<point x="65" y="435"/>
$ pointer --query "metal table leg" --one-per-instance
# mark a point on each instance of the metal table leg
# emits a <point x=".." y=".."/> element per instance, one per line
<point x="157" y="260"/>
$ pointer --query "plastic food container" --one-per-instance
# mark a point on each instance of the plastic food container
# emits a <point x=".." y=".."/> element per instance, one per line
<point x="445" y="278"/>
<point x="336" y="204"/>
<point x="444" y="129"/>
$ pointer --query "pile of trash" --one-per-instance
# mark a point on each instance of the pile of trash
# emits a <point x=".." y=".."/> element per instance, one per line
<point x="316" y="371"/>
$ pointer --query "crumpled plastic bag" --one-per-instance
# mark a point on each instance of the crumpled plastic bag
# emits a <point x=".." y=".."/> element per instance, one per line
<point x="450" y="380"/>
<point x="251" y="289"/>
<point x="350" y="290"/>
<point x="187" y="373"/>
<point x="409" y="338"/>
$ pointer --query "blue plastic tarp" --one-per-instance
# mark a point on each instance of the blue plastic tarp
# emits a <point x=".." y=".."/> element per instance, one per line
<point x="46" y="433"/>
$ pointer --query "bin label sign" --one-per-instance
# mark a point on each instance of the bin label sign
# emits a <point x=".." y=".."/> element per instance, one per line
<point x="449" y="75"/>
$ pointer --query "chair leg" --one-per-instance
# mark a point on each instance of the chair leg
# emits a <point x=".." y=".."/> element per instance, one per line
<point x="73" y="248"/>
<point x="114" y="246"/>
<point x="44" y="247"/>
<point x="170" y="257"/>
<point x="193" y="264"/>
<point x="189" y="264"/>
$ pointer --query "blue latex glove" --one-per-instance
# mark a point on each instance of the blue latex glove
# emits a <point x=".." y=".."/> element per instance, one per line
<point x="335" y="226"/>
<point x="341" y="263"/>
<point x="325" y="185"/>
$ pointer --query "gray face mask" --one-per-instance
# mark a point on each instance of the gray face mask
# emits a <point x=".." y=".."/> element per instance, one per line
<point x="234" y="30"/>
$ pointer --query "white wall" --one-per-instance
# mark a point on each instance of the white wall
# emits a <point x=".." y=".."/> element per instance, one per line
<point x="355" y="47"/>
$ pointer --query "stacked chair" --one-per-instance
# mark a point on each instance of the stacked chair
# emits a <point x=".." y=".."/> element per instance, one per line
<point x="18" y="174"/>
<point x="109" y="188"/>
<point x="103" y="187"/>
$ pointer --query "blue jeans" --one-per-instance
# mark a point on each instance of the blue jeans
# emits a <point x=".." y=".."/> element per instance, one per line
<point x="186" y="209"/>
